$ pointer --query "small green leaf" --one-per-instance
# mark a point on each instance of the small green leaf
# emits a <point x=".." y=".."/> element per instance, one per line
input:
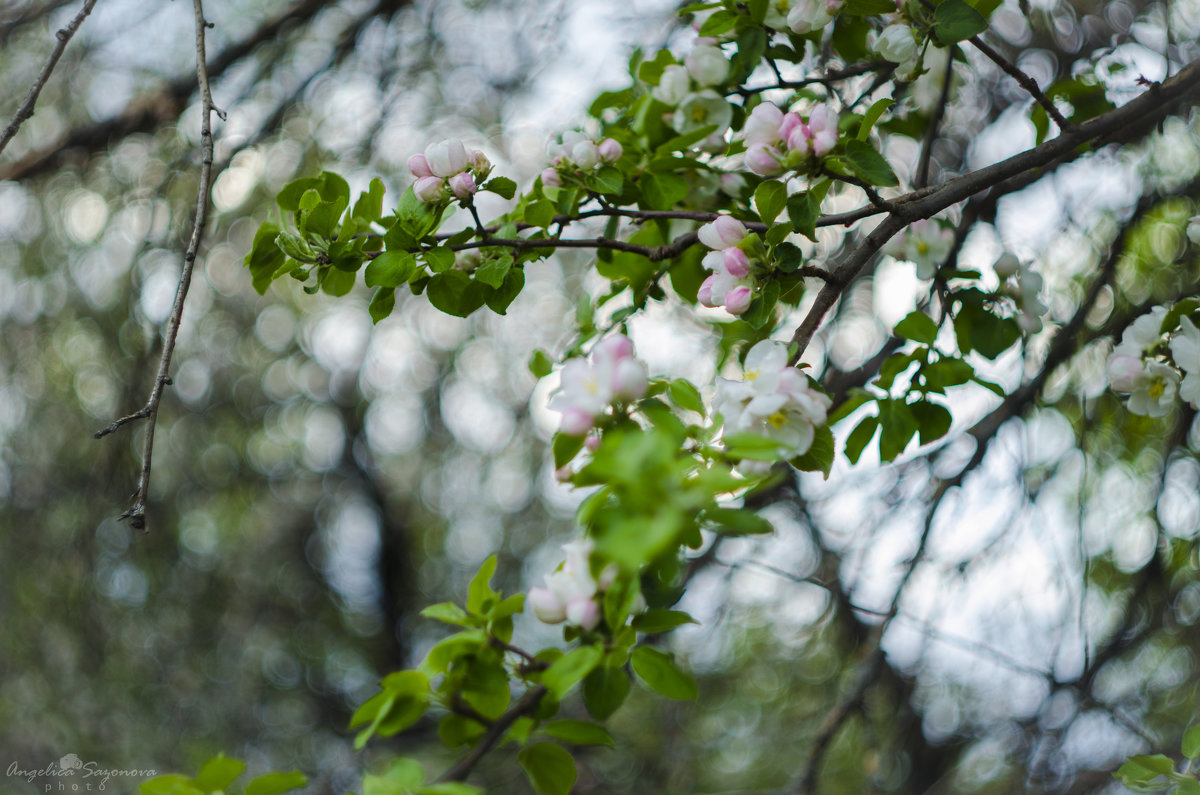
<point x="174" y="784"/>
<point x="604" y="691"/>
<point x="275" y="783"/>
<point x="455" y="293"/>
<point x="868" y="164"/>
<point x="540" y="213"/>
<point x="659" y="619"/>
<point x="660" y="673"/>
<point x="1191" y="742"/>
<point x="933" y="420"/>
<point x="264" y="258"/>
<point x="501" y="186"/>
<point x="447" y="612"/>
<point x="872" y="115"/>
<point x="820" y="454"/>
<point x="579" y="732"/>
<point x="568" y="670"/>
<point x="860" y="437"/>
<point x="540" y="364"/>
<point x="493" y="271"/>
<point x="218" y="773"/>
<point x="737" y="522"/>
<point x="439" y="259"/>
<point x="551" y="769"/>
<point x="954" y="21"/>
<point x="565" y="447"/>
<point x="718" y="22"/>
<point x="770" y="197"/>
<point x="390" y="269"/>
<point x="449" y="788"/>
<point x="382" y="303"/>
<point x="369" y="206"/>
<point x="686" y="396"/>
<point x="480" y="592"/>
<point x="506" y="293"/>
<point x="918" y="326"/>
<point x="663" y="191"/>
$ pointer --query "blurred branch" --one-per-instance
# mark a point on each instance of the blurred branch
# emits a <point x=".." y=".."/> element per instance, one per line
<point x="26" y="110"/>
<point x="137" y="512"/>
<point x="528" y="703"/>
<point x="1026" y="82"/>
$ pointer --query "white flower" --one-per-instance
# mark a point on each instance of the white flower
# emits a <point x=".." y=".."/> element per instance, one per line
<point x="674" y="85"/>
<point x="701" y="110"/>
<point x="1185" y="349"/>
<point x="590" y="386"/>
<point x="722" y="232"/>
<point x="1145" y="332"/>
<point x="446" y="158"/>
<point x="1193" y="230"/>
<point x="1124" y="366"/>
<point x="925" y="243"/>
<point x="1026" y="294"/>
<point x="707" y="65"/>
<point x="762" y="125"/>
<point x="774" y="400"/>
<point x="809" y="15"/>
<point x="896" y="43"/>
<point x="1154" y="390"/>
<point x="570" y="592"/>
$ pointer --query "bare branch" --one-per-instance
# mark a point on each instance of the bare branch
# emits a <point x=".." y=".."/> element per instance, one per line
<point x="26" y="110"/>
<point x="137" y="512"/>
<point x="1026" y="82"/>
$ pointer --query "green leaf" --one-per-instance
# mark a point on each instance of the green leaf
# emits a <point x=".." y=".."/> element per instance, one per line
<point x="174" y="784"/>
<point x="770" y="197"/>
<point x="264" y="258"/>
<point x="480" y="592"/>
<point x="954" y="21"/>
<point x="390" y="269"/>
<point x="604" y="691"/>
<point x="540" y="213"/>
<point x="540" y="364"/>
<point x="449" y="613"/>
<point x="1186" y="786"/>
<point x="918" y="326"/>
<point x="897" y="425"/>
<point x="450" y="788"/>
<point x="868" y="164"/>
<point x="872" y="115"/>
<point x="1159" y="764"/>
<point x="506" y="293"/>
<point x="218" y="773"/>
<point x="658" y="619"/>
<point x="805" y="208"/>
<point x="568" y="670"/>
<point x="933" y="420"/>
<point x="1191" y="742"/>
<point x="455" y="293"/>
<point x="369" y="206"/>
<point x="819" y="456"/>
<point x="860" y="437"/>
<point x="608" y="180"/>
<point x="737" y="522"/>
<point x="718" y="22"/>
<point x="579" y="732"/>
<point x="551" y="769"/>
<point x="501" y="186"/>
<point x="866" y="8"/>
<point x="382" y="303"/>
<point x="565" y="448"/>
<point x="660" y="673"/>
<point x="663" y="191"/>
<point x="493" y="271"/>
<point x="686" y="396"/>
<point x="439" y="259"/>
<point x="275" y="783"/>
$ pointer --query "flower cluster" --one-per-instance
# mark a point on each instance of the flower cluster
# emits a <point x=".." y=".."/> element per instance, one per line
<point x="590" y="386"/>
<point x="577" y="152"/>
<point x="688" y="89"/>
<point x="773" y="400"/>
<point x="778" y="141"/>
<point x="448" y="167"/>
<point x="571" y="590"/>
<point x="1153" y="385"/>
<point x="802" y="16"/>
<point x="730" y="284"/>
<point x="925" y="243"/>
<point x="1026" y="292"/>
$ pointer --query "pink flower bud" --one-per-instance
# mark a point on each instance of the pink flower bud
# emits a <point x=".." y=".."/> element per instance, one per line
<point x="550" y="178"/>
<point x="480" y="163"/>
<point x="584" y="613"/>
<point x="429" y="189"/>
<point x="608" y="576"/>
<point x="546" y="606"/>
<point x="763" y="160"/>
<point x="585" y="154"/>
<point x="610" y="150"/>
<point x="724" y="231"/>
<point x="823" y="142"/>
<point x="616" y="347"/>
<point x="736" y="262"/>
<point x="576" y="421"/>
<point x="629" y="380"/>
<point x="419" y="166"/>
<point x="463" y="185"/>
<point x="762" y="124"/>
<point x="789" y="123"/>
<point x="737" y="300"/>
<point x="800" y="139"/>
<point x="446" y="158"/>
<point x="704" y="294"/>
<point x="592" y="442"/>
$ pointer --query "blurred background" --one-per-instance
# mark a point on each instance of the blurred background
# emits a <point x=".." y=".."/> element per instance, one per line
<point x="318" y="481"/>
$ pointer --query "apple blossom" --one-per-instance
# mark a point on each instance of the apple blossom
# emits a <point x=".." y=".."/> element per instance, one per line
<point x="610" y="150"/>
<point x="1185" y="349"/>
<point x="925" y="243"/>
<point x="703" y="109"/>
<point x="1145" y="332"/>
<point x="1154" y="390"/>
<point x="430" y="189"/>
<point x="550" y="178"/>
<point x="590" y="386"/>
<point x="463" y="185"/>
<point x="419" y="166"/>
<point x="774" y="400"/>
<point x="707" y="65"/>
<point x="570" y="592"/>
<point x="735" y="261"/>
<point x="446" y="158"/>
<point x="722" y="232"/>
<point x="737" y="300"/>
<point x="762" y="125"/>
<point x="1123" y="367"/>
<point x="674" y="85"/>
<point x="806" y="16"/>
<point x="764" y="160"/>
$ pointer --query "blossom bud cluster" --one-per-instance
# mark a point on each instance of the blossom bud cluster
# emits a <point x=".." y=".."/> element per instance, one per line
<point x="731" y="284"/>
<point x="1153" y="385"/>
<point x="577" y="152"/>
<point x="688" y="89"/>
<point x="589" y="386"/>
<point x="1025" y="293"/>
<point x="778" y="141"/>
<point x="773" y="400"/>
<point x="925" y="243"/>
<point x="571" y="592"/>
<point x="448" y="167"/>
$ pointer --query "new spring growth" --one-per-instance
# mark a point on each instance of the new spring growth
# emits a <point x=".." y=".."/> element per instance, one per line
<point x="448" y="168"/>
<point x="590" y="386"/>
<point x="731" y="284"/>
<point x="576" y="152"/>
<point x="778" y="141"/>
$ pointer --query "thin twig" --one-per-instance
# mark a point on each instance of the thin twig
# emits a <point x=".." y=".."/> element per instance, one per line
<point x="1026" y="82"/>
<point x="922" y="177"/>
<point x="137" y="512"/>
<point x="26" y="110"/>
<point x="494" y="734"/>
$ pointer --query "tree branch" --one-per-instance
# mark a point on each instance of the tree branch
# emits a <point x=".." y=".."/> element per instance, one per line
<point x="137" y="512"/>
<point x="26" y="110"/>
<point x="495" y="732"/>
